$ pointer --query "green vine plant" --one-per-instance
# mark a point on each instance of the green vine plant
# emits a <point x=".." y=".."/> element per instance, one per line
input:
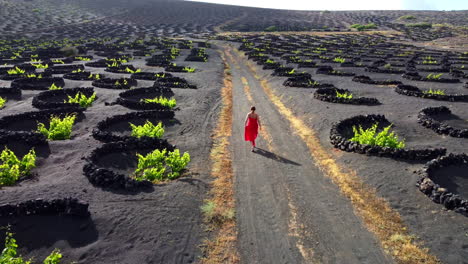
<point x="339" y="59"/>
<point x="54" y="87"/>
<point x="32" y="75"/>
<point x="171" y="103"/>
<point x="123" y="83"/>
<point x="371" y="137"/>
<point x="81" y="99"/>
<point x="120" y="60"/>
<point x="160" y="75"/>
<point x="147" y="130"/>
<point x="188" y="69"/>
<point x="113" y="65"/>
<point x="58" y="61"/>
<point x="132" y="71"/>
<point x="94" y="76"/>
<point x="77" y="71"/>
<point x="59" y="129"/>
<point x="313" y="83"/>
<point x="10" y="255"/>
<point x="16" y="71"/>
<point x="41" y="66"/>
<point x="344" y="95"/>
<point x="435" y="92"/>
<point x="2" y="102"/>
<point x="12" y="168"/>
<point x="429" y="62"/>
<point x="433" y="76"/>
<point x="291" y="72"/>
<point x="160" y="165"/>
<point x="82" y="58"/>
<point x="174" y="52"/>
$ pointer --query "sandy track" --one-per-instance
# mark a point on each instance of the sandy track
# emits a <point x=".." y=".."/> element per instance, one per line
<point x="288" y="211"/>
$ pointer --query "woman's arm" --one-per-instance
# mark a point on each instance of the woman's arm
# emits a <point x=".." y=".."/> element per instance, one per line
<point x="246" y="118"/>
<point x="259" y="124"/>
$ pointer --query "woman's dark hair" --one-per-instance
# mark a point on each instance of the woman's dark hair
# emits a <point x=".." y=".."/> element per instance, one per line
<point x="252" y="108"/>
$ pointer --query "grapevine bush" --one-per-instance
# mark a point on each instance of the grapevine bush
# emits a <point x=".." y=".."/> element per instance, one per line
<point x="59" y="129"/>
<point x="55" y="87"/>
<point x="12" y="168"/>
<point x="435" y="91"/>
<point x="344" y="95"/>
<point x="171" y="103"/>
<point x="372" y="138"/>
<point x="2" y="102"/>
<point x="81" y="99"/>
<point x="160" y="165"/>
<point x="147" y="130"/>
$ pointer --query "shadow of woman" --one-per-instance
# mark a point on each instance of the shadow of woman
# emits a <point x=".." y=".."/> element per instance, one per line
<point x="273" y="156"/>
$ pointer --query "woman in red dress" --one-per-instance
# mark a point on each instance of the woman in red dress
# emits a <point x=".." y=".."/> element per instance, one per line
<point x="252" y="124"/>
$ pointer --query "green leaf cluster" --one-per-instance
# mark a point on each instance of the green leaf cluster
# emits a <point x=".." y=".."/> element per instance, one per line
<point x="58" y="61"/>
<point x="360" y="27"/>
<point x="435" y="91"/>
<point x="371" y="137"/>
<point x="188" y="69"/>
<point x="420" y="25"/>
<point x="2" y="102"/>
<point x="344" y="95"/>
<point x="10" y="255"/>
<point x="59" y="129"/>
<point x="433" y="76"/>
<point x="123" y="83"/>
<point x="132" y="71"/>
<point x="81" y="99"/>
<point x="41" y="66"/>
<point x="12" y="168"/>
<point x="271" y="29"/>
<point x="407" y="17"/>
<point x="113" y="65"/>
<point x="16" y="71"/>
<point x="147" y="130"/>
<point x="171" y="103"/>
<point x="160" y="165"/>
<point x="429" y="62"/>
<point x="82" y="58"/>
<point x="55" y="87"/>
<point x="32" y="75"/>
<point x="339" y="59"/>
<point x="94" y="76"/>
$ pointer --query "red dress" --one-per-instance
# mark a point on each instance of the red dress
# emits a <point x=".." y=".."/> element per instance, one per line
<point x="251" y="129"/>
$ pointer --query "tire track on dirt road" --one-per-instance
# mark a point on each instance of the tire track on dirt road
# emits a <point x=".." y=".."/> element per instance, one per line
<point x="287" y="211"/>
<point x="295" y="229"/>
<point x="374" y="212"/>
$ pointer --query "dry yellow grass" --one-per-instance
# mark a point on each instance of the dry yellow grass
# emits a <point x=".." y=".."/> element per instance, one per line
<point x="376" y="213"/>
<point x="222" y="247"/>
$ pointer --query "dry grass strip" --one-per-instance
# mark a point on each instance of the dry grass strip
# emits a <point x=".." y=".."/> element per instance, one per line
<point x="219" y="210"/>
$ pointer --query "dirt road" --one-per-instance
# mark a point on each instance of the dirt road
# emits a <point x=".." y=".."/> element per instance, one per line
<point x="287" y="210"/>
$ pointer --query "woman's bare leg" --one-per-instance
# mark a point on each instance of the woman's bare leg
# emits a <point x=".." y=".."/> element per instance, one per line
<point x="253" y="145"/>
